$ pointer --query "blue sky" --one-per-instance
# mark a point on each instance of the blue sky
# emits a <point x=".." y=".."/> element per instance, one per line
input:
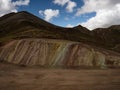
<point x="64" y="18"/>
<point x="88" y="13"/>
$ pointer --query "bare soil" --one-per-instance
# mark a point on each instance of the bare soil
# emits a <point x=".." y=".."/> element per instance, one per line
<point x="14" y="77"/>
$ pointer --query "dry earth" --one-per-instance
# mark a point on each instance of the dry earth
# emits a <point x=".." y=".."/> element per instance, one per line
<point x="14" y="77"/>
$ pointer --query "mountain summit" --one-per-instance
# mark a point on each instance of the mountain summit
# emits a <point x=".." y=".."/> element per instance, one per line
<point x="28" y="40"/>
<point x="25" y="25"/>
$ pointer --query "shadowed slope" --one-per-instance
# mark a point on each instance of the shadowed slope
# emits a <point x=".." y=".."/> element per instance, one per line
<point x="25" y="25"/>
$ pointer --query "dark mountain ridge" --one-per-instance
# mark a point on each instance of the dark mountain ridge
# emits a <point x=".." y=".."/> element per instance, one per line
<point x="25" y="25"/>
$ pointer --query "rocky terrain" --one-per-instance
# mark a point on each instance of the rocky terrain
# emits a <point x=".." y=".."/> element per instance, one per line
<point x="37" y="55"/>
<point x="25" y="25"/>
<point x="28" y="40"/>
<point x="57" y="53"/>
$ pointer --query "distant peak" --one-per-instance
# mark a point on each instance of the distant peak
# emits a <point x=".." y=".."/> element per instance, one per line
<point x="24" y="12"/>
<point x="114" y="26"/>
<point x="80" y="27"/>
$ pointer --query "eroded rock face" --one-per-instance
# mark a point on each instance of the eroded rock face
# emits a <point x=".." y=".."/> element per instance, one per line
<point x="50" y="53"/>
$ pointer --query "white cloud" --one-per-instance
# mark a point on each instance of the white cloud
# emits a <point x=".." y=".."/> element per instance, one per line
<point x="7" y="6"/>
<point x="49" y="14"/>
<point x="93" y="5"/>
<point x="61" y="2"/>
<point x="21" y="2"/>
<point x="107" y="13"/>
<point x="69" y="26"/>
<point x="41" y="12"/>
<point x="104" y="18"/>
<point x="70" y="4"/>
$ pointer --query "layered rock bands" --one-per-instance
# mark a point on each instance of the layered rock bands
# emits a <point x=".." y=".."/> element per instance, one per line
<point x="57" y="53"/>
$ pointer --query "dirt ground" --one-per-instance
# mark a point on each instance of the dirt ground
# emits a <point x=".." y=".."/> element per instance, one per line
<point x="35" y="78"/>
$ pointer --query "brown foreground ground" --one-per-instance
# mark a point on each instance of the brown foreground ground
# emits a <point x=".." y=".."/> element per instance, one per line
<point x="34" y="78"/>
